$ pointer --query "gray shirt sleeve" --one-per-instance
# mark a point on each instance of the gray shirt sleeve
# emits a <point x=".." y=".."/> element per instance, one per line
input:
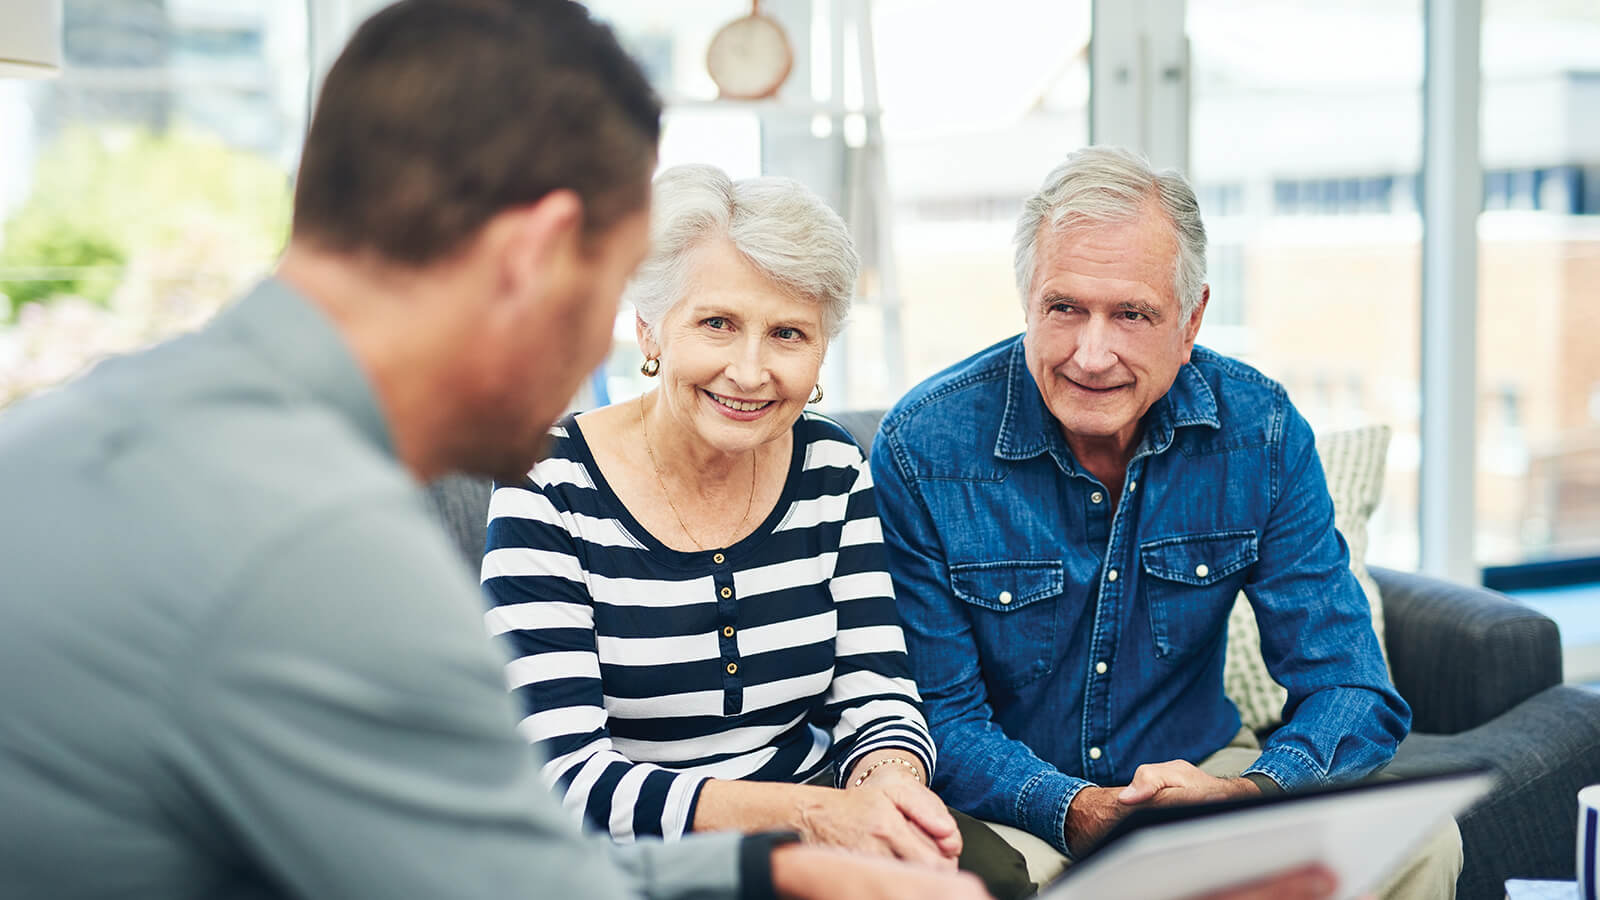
<point x="344" y="715"/>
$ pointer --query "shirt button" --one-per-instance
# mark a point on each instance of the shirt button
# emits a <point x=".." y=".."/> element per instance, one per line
<point x="727" y="631"/>
<point x="727" y="592"/>
<point x="1096" y="497"/>
<point x="1100" y="667"/>
<point x="1133" y="486"/>
<point x="1094" y="752"/>
<point x="1111" y="575"/>
<point x="718" y="559"/>
<point x="733" y="668"/>
<point x="1005" y="598"/>
<point x="1201" y="571"/>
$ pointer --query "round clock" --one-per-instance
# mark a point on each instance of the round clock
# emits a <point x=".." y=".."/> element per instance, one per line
<point x="750" y="57"/>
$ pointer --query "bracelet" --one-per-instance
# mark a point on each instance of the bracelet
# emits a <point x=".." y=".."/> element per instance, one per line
<point x="898" y="760"/>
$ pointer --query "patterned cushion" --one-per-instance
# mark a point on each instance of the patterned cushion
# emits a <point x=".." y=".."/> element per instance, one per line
<point x="1353" y="462"/>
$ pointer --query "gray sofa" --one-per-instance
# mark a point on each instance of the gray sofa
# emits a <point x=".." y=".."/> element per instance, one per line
<point x="1482" y="674"/>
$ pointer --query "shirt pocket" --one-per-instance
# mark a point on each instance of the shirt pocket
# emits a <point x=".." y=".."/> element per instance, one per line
<point x="1190" y="582"/>
<point x="1012" y="607"/>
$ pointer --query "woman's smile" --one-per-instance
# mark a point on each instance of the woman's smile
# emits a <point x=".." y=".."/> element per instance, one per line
<point x="734" y="408"/>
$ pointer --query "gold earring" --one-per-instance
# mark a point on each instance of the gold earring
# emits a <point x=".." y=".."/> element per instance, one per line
<point x="650" y="367"/>
<point x="816" y="395"/>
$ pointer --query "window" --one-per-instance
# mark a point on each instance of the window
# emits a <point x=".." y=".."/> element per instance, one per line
<point x="962" y="145"/>
<point x="1538" y="481"/>
<point x="149" y="182"/>
<point x="1315" y="266"/>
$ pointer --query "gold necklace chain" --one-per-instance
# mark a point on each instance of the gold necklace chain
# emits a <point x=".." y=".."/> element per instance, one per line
<point x="663" y="483"/>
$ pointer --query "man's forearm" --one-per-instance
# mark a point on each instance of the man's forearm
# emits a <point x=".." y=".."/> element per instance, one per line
<point x="988" y="775"/>
<point x="699" y="867"/>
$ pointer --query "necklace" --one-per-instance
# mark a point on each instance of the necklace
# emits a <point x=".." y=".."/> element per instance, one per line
<point x="663" y="483"/>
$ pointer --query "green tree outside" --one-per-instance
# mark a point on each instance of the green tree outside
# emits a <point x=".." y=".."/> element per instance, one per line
<point x="103" y="199"/>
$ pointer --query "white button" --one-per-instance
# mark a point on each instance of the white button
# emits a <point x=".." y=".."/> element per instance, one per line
<point x="1096" y="497"/>
<point x="1005" y="598"/>
<point x="1100" y="668"/>
<point x="1201" y="571"/>
<point x="1111" y="575"/>
<point x="1133" y="486"/>
<point x="1094" y="752"/>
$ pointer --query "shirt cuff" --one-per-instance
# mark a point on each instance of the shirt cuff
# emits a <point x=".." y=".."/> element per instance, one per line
<point x="755" y="864"/>
<point x="1042" y="806"/>
<point x="1288" y="768"/>
<point x="694" y="804"/>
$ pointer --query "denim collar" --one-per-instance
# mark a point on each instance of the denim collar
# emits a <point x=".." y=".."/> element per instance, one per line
<point x="1028" y="429"/>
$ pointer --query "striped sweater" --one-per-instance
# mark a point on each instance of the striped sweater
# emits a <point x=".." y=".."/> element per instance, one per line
<point x="645" y="670"/>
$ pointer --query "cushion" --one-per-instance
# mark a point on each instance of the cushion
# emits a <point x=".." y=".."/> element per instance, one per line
<point x="1353" y="462"/>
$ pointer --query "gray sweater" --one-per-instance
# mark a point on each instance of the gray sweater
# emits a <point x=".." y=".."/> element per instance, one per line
<point x="238" y="659"/>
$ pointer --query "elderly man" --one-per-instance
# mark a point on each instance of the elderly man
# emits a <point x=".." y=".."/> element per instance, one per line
<point x="239" y="658"/>
<point x="1069" y="515"/>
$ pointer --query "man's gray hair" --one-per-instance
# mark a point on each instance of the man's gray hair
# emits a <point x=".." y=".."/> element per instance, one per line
<point x="1110" y="185"/>
<point x="778" y="225"/>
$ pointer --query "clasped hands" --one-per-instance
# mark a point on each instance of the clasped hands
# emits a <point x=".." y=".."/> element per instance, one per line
<point x="890" y="814"/>
<point x="1095" y="809"/>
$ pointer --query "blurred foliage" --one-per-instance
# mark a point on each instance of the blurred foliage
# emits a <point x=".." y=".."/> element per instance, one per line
<point x="102" y="198"/>
<point x="128" y="238"/>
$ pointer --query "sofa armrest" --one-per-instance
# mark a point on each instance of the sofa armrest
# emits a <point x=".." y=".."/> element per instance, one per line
<point x="1463" y="655"/>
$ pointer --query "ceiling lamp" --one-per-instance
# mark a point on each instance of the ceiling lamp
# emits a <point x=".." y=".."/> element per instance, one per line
<point x="30" y="38"/>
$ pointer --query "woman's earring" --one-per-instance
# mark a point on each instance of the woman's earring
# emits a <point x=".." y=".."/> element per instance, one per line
<point x="816" y="395"/>
<point x="650" y="367"/>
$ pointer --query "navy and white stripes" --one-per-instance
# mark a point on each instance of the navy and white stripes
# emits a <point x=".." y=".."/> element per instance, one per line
<point x="647" y="670"/>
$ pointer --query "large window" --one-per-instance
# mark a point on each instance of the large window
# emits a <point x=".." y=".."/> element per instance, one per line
<point x="977" y="109"/>
<point x="149" y="182"/>
<point x="1306" y="137"/>
<point x="970" y="112"/>
<point x="1539" y="283"/>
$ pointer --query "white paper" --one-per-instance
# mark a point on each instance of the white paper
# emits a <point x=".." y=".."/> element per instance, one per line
<point x="1362" y="836"/>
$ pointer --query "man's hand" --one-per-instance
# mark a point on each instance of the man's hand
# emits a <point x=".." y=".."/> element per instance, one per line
<point x="1178" y="782"/>
<point x="1091" y="814"/>
<point x="802" y="872"/>
<point x="1095" y="809"/>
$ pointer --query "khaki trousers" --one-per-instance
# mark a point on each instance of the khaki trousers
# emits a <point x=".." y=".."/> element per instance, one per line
<point x="1429" y="875"/>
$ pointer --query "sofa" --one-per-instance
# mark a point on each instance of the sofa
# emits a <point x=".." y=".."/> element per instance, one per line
<point x="1481" y="672"/>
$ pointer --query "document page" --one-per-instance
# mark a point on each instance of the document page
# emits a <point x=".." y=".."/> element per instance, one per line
<point x="1361" y="833"/>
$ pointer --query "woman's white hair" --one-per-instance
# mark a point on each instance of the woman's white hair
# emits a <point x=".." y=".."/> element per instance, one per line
<point x="778" y="225"/>
<point x="1110" y="185"/>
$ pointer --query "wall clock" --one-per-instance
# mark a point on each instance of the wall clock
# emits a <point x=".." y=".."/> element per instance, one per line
<point x="750" y="57"/>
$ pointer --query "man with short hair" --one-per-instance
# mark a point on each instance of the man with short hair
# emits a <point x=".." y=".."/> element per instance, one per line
<point x="239" y="656"/>
<point x="1069" y="516"/>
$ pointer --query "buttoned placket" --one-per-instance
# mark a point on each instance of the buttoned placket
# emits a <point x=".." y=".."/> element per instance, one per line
<point x="1107" y="528"/>
<point x="727" y="635"/>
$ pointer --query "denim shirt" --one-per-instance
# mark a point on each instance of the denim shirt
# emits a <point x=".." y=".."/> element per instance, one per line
<point x="1060" y="642"/>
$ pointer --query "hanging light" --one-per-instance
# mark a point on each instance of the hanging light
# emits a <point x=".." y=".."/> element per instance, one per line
<point x="30" y="38"/>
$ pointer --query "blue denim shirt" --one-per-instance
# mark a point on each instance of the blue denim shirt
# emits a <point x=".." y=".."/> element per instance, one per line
<point x="1059" y="642"/>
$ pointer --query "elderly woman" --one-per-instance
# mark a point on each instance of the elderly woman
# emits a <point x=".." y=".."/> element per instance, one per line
<point x="704" y="634"/>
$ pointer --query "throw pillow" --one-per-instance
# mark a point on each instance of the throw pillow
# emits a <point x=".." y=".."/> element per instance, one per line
<point x="1353" y="463"/>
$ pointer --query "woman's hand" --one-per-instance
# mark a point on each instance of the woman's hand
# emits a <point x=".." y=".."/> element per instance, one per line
<point x="920" y="806"/>
<point x="888" y="814"/>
